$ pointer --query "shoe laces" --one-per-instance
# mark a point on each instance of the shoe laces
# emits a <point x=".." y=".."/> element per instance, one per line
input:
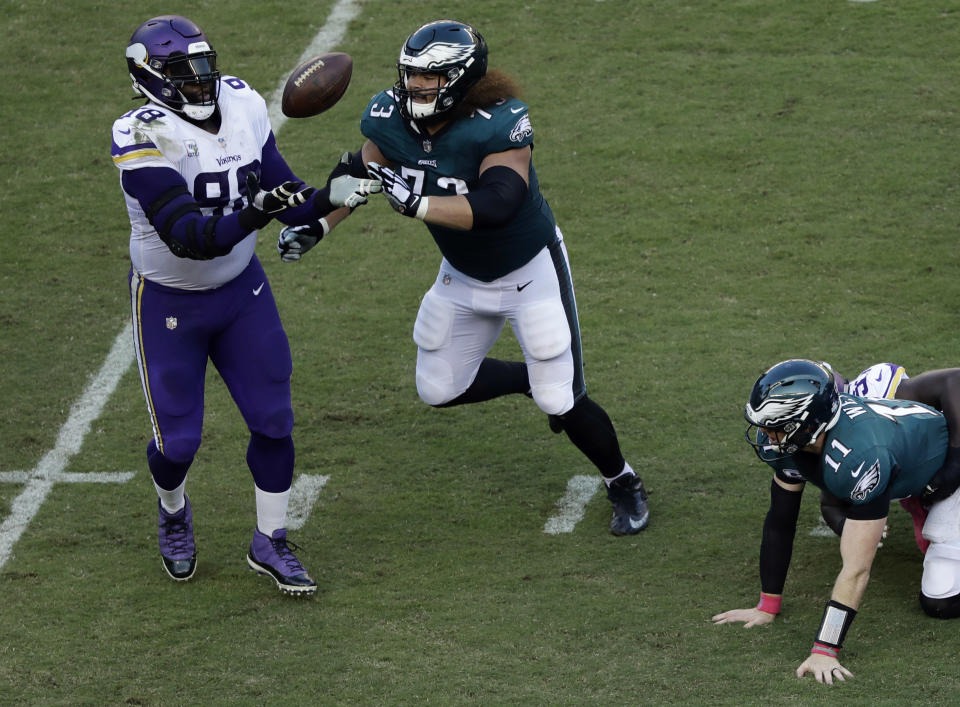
<point x="176" y="532"/>
<point x="284" y="549"/>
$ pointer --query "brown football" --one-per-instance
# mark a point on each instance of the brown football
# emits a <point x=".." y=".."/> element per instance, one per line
<point x="316" y="85"/>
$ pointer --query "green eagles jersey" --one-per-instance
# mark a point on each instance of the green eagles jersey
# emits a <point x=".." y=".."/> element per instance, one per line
<point x="876" y="449"/>
<point x="448" y="162"/>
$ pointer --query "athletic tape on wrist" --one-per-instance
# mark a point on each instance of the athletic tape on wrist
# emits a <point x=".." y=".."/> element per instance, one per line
<point x="770" y="603"/>
<point x="836" y="621"/>
<point x="422" y="208"/>
<point x="821" y="649"/>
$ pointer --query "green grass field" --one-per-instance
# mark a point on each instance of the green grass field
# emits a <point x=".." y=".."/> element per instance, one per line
<point x="738" y="182"/>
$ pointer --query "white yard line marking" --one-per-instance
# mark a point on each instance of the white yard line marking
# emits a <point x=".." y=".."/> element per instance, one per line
<point x="570" y="508"/>
<point x="49" y="469"/>
<point x="329" y="36"/>
<point x="306" y="489"/>
<point x="822" y="530"/>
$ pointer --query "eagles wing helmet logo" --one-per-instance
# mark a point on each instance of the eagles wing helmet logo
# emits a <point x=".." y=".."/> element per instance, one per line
<point x="867" y="484"/>
<point x="778" y="409"/>
<point x="438" y="54"/>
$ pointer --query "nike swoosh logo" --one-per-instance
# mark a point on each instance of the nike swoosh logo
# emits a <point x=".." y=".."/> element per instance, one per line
<point x="635" y="523"/>
<point x="516" y="110"/>
<point x="520" y="287"/>
<point x="256" y="292"/>
<point x="856" y="473"/>
<point x="125" y="132"/>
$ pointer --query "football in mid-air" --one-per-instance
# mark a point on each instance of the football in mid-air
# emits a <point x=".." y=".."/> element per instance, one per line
<point x="316" y="85"/>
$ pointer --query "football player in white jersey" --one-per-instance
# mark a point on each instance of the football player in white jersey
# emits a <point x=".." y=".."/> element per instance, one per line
<point x="201" y="173"/>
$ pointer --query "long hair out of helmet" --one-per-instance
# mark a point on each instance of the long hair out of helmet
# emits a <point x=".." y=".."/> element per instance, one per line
<point x="168" y="53"/>
<point x="450" y="49"/>
<point x="797" y="398"/>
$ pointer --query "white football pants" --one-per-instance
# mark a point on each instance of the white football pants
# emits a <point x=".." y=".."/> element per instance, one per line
<point x="461" y="318"/>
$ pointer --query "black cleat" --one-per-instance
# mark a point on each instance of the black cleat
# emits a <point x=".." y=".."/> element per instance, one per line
<point x="629" y="499"/>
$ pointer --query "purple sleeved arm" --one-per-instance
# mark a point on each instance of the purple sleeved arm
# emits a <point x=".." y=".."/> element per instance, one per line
<point x="176" y="215"/>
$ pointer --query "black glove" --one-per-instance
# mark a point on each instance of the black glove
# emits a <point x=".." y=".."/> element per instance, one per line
<point x="263" y="205"/>
<point x="295" y="241"/>
<point x="398" y="192"/>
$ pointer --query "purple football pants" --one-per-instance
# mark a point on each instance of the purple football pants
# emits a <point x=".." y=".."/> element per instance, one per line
<point x="238" y="328"/>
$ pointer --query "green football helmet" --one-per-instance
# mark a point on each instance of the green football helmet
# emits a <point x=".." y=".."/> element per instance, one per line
<point x="798" y="397"/>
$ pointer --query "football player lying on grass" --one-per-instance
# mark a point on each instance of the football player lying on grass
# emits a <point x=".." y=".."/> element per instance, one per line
<point x="866" y="452"/>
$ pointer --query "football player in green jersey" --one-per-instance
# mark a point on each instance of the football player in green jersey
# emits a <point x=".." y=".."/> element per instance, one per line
<point x="452" y="145"/>
<point x="867" y="452"/>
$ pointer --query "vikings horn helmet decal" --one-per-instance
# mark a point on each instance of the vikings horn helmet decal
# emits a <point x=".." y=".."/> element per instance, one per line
<point x="169" y="54"/>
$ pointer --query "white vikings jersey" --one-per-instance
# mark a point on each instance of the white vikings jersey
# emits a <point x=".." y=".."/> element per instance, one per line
<point x="881" y="380"/>
<point x="214" y="167"/>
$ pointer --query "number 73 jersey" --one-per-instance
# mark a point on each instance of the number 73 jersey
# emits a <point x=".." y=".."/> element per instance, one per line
<point x="876" y="447"/>
<point x="447" y="163"/>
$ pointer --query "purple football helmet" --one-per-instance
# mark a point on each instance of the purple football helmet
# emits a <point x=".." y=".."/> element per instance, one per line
<point x="172" y="64"/>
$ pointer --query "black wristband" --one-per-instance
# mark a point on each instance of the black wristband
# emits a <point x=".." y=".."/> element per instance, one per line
<point x="835" y="623"/>
<point x="321" y="202"/>
<point x="357" y="168"/>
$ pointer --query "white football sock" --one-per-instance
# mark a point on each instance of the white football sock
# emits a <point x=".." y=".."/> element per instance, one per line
<point x="627" y="471"/>
<point x="271" y="511"/>
<point x="172" y="501"/>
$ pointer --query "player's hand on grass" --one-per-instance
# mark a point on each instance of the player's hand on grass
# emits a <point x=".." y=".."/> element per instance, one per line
<point x="748" y="617"/>
<point x="824" y="668"/>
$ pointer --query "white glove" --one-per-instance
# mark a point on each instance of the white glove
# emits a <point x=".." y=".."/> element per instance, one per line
<point x="351" y="191"/>
<point x="398" y="192"/>
<point x="295" y="241"/>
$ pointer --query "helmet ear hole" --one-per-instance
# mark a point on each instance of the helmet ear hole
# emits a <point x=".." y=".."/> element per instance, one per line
<point x="799" y="397"/>
<point x="165" y="54"/>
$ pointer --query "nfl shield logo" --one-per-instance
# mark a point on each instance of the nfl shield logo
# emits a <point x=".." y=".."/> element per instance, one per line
<point x="427" y="146"/>
<point x="171" y="322"/>
<point x="446" y="278"/>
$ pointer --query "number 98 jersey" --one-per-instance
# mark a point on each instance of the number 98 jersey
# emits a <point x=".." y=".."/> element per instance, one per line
<point x="447" y="163"/>
<point x="214" y="168"/>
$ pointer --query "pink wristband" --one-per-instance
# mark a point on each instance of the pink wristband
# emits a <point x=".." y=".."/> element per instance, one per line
<point x="824" y="649"/>
<point x="769" y="603"/>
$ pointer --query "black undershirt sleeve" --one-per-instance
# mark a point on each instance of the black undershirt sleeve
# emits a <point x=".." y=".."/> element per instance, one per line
<point x="779" y="529"/>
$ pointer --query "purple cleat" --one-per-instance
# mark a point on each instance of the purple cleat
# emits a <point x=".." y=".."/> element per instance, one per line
<point x="274" y="556"/>
<point x="175" y="536"/>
